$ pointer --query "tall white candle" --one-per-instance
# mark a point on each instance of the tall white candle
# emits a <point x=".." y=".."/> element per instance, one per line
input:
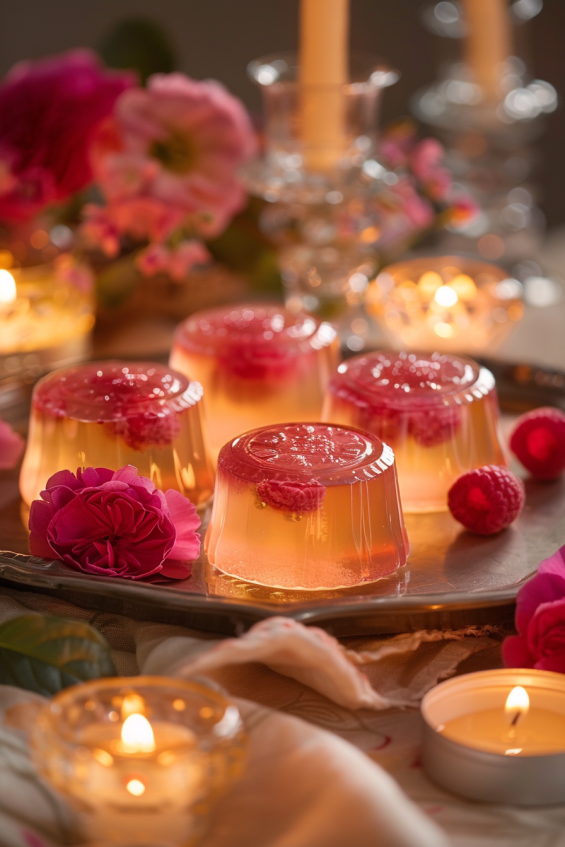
<point x="324" y="34"/>
<point x="488" y="42"/>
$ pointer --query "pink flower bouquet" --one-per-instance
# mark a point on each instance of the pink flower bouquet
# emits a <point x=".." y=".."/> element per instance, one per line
<point x="110" y="523"/>
<point x="540" y="620"/>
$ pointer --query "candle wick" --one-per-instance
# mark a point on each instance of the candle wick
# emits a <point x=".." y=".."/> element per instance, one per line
<point x="516" y="718"/>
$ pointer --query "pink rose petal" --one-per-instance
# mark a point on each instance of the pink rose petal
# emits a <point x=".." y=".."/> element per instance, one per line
<point x="11" y="446"/>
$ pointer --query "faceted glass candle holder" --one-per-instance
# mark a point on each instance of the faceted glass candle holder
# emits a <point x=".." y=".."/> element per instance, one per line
<point x="307" y="506"/>
<point x="438" y="412"/>
<point x="259" y="364"/>
<point x="46" y="317"/>
<point x="140" y="758"/>
<point x="111" y="414"/>
<point x="445" y="303"/>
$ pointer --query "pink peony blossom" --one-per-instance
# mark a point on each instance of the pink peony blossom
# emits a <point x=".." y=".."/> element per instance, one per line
<point x="177" y="144"/>
<point x="426" y="163"/>
<point x="11" y="446"/>
<point x="50" y="110"/>
<point x="114" y="524"/>
<point x="176" y="262"/>
<point x="540" y="620"/>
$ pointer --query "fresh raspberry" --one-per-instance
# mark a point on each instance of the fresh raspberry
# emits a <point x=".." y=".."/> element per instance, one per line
<point x="538" y="441"/>
<point x="434" y="426"/>
<point x="291" y="496"/>
<point x="146" y="429"/>
<point x="487" y="499"/>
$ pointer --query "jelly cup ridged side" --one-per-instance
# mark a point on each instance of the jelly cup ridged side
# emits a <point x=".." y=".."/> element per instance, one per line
<point x="355" y="536"/>
<point x="177" y="459"/>
<point x="428" y="467"/>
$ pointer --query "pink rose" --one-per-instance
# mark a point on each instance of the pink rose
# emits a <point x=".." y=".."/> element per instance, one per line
<point x="50" y="110"/>
<point x="540" y="620"/>
<point x="114" y="524"/>
<point x="178" y="143"/>
<point x="11" y="446"/>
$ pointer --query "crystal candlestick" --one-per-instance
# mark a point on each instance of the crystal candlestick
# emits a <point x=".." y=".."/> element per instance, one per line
<point x="438" y="412"/>
<point x="141" y="758"/>
<point x="259" y="364"/>
<point x="488" y="110"/>
<point x="111" y="414"/>
<point x="323" y="219"/>
<point x="307" y="506"/>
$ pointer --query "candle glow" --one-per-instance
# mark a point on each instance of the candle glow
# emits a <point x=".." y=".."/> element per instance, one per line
<point x="8" y="292"/>
<point x="517" y="705"/>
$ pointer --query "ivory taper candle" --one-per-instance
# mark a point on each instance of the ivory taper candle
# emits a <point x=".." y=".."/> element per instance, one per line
<point x="488" y="42"/>
<point x="324" y="34"/>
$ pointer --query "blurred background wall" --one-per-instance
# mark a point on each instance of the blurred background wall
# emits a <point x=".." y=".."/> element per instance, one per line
<point x="216" y="38"/>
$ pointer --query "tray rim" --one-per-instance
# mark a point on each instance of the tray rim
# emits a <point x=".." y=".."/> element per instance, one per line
<point x="15" y="568"/>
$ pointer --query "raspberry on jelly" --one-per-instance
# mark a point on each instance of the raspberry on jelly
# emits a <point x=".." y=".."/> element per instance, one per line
<point x="486" y="500"/>
<point x="538" y="441"/>
<point x="289" y="496"/>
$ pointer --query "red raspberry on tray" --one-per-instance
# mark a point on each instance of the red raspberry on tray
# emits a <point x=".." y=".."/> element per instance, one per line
<point x="538" y="441"/>
<point x="486" y="500"/>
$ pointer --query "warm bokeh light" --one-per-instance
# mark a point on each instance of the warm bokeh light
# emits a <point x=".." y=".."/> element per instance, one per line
<point x="137" y="735"/>
<point x="428" y="284"/>
<point x="8" y="292"/>
<point x="135" y="787"/>
<point x="446" y="296"/>
<point x="132" y="704"/>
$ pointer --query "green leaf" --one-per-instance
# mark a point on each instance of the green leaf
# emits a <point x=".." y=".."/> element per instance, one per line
<point x="44" y="653"/>
<point x="139" y="44"/>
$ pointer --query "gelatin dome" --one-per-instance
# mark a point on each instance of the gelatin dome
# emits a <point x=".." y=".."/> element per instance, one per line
<point x="259" y="364"/>
<point x="111" y="414"/>
<point x="306" y="506"/>
<point x="437" y="411"/>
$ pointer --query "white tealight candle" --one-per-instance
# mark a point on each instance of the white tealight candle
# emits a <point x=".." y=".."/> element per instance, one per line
<point x="498" y="736"/>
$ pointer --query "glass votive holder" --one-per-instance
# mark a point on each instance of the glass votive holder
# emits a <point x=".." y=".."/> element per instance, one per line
<point x="438" y="412"/>
<point x="306" y="506"/>
<point x="111" y="414"/>
<point x="259" y="364"/>
<point x="141" y="759"/>
<point x="445" y="303"/>
<point x="46" y="318"/>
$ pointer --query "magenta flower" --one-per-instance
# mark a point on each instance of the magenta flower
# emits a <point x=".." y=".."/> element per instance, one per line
<point x="11" y="446"/>
<point x="50" y="110"/>
<point x="114" y="524"/>
<point x="175" y="145"/>
<point x="540" y="620"/>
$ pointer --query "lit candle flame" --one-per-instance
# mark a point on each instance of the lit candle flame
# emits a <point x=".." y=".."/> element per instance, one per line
<point x="137" y="735"/>
<point x="517" y="705"/>
<point x="8" y="290"/>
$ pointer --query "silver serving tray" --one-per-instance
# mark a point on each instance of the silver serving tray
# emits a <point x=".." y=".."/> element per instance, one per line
<point x="452" y="579"/>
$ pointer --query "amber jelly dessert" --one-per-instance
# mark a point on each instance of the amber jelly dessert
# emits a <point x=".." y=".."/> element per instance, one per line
<point x="111" y="414"/>
<point x="306" y="506"/>
<point x="259" y="364"/>
<point x="438" y="412"/>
